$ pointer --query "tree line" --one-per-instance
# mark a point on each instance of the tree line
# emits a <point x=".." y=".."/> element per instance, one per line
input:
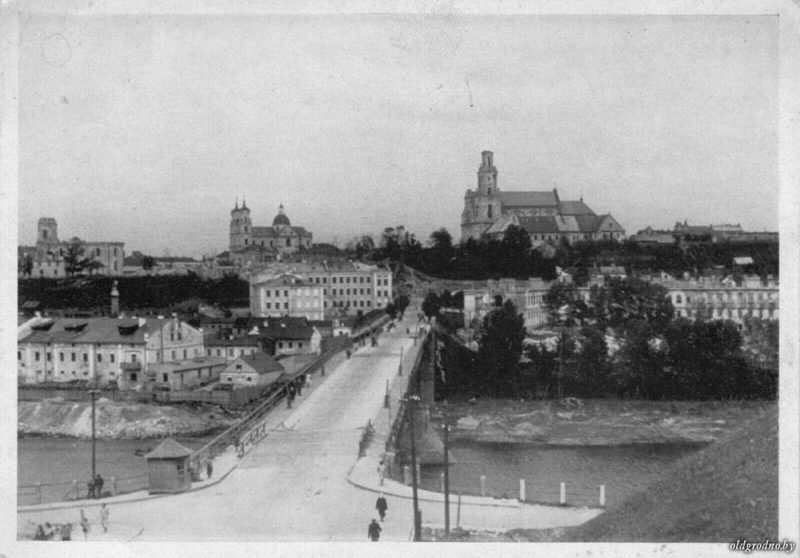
<point x="514" y="256"/>
<point x="622" y="341"/>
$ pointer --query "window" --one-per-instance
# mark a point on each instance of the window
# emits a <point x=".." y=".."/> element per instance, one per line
<point x="133" y="359"/>
<point x="173" y="355"/>
<point x="99" y="357"/>
<point x="165" y="377"/>
<point x="219" y="352"/>
<point x="286" y="305"/>
<point x="269" y="305"/>
<point x="286" y="293"/>
<point x="36" y="356"/>
<point x="85" y="357"/>
<point x="49" y="357"/>
<point x="238" y="367"/>
<point x="133" y="376"/>
<point x="19" y="355"/>
<point x="290" y="344"/>
<point x="184" y="354"/>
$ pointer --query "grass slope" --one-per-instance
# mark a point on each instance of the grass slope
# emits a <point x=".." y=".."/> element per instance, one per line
<point x="725" y="492"/>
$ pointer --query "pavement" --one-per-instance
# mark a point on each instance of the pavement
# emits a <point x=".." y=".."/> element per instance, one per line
<point x="304" y="480"/>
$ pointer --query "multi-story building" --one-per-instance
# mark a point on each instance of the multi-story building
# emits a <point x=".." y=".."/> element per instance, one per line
<point x="686" y="233"/>
<point x="527" y="296"/>
<point x="230" y="347"/>
<point x="287" y="295"/>
<point x="488" y="212"/>
<point x="103" y="350"/>
<point x="714" y="299"/>
<point x="348" y="288"/>
<point x="48" y="257"/>
<point x="251" y="245"/>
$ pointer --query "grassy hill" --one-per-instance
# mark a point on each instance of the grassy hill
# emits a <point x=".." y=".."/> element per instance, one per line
<point x="724" y="492"/>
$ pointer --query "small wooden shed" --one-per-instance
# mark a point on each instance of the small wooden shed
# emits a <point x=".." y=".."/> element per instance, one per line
<point x="168" y="467"/>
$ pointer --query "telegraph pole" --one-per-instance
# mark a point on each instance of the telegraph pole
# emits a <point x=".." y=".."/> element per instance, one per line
<point x="93" y="393"/>
<point x="417" y="516"/>
<point x="446" y="485"/>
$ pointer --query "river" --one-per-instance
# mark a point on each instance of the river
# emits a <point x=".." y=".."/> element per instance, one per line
<point x="622" y="469"/>
<point x="55" y="462"/>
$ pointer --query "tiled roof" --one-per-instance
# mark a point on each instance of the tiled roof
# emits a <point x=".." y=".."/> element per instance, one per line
<point x="95" y="330"/>
<point x="574" y="208"/>
<point x="261" y="363"/>
<point x="241" y="341"/>
<point x="188" y="364"/>
<point x="587" y="223"/>
<point x="529" y="199"/>
<point x="538" y="224"/>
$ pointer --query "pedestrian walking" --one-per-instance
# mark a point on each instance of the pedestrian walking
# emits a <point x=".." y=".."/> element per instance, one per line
<point x="374" y="531"/>
<point x="84" y="525"/>
<point x="39" y="535"/>
<point x="104" y="517"/>
<point x="98" y="486"/>
<point x="381" y="506"/>
<point x="90" y="488"/>
<point x="308" y="380"/>
<point x="209" y="469"/>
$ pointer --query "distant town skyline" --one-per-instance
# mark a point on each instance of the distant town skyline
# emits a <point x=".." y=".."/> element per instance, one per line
<point x="147" y="128"/>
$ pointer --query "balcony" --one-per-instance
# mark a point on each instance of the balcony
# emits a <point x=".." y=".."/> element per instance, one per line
<point x="130" y="366"/>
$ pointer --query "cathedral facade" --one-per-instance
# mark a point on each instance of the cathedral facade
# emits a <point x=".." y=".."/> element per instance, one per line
<point x="250" y="245"/>
<point x="488" y="212"/>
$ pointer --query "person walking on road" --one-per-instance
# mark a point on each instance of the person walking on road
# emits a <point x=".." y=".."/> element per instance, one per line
<point x="374" y="531"/>
<point x="104" y="517"/>
<point x="209" y="469"/>
<point x="84" y="525"/>
<point x="381" y="506"/>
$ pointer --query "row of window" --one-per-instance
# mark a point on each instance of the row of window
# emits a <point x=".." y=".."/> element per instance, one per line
<point x="37" y="356"/>
<point x="231" y="352"/>
<point x="740" y="297"/>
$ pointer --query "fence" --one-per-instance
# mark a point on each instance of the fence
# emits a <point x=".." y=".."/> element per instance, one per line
<point x="25" y="393"/>
<point x="411" y="389"/>
<point x="43" y="493"/>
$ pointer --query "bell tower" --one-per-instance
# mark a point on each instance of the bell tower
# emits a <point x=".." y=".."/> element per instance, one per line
<point x="241" y="226"/>
<point x="487" y="175"/>
<point x="483" y="206"/>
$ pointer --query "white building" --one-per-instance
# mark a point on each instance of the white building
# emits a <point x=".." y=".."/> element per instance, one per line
<point x="103" y="350"/>
<point x="251" y="370"/>
<point x="286" y="295"/>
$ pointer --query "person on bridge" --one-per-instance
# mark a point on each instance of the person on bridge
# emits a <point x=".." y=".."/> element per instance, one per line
<point x="381" y="506"/>
<point x="84" y="525"/>
<point x="374" y="531"/>
<point x="209" y="469"/>
<point x="104" y="517"/>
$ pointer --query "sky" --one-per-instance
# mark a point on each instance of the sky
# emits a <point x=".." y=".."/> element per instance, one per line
<point x="146" y="129"/>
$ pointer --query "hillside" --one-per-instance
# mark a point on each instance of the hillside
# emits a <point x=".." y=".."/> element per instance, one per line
<point x="725" y="492"/>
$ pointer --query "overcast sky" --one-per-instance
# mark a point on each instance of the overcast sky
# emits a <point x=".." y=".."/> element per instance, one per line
<point x="146" y="129"/>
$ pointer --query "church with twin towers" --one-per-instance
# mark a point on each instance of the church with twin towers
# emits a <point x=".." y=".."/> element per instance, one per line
<point x="490" y="211"/>
<point x="261" y="244"/>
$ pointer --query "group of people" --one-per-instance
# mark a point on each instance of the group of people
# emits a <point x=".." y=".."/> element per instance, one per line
<point x="63" y="531"/>
<point x="374" y="529"/>
<point x="95" y="487"/>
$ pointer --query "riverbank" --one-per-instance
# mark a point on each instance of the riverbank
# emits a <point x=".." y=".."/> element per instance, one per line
<point x="116" y="420"/>
<point x="595" y="422"/>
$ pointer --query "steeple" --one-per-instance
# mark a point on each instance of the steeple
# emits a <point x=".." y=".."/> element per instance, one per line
<point x="487" y="174"/>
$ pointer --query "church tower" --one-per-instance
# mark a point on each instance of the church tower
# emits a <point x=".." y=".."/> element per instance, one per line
<point x="47" y="238"/>
<point x="484" y="206"/>
<point x="241" y="226"/>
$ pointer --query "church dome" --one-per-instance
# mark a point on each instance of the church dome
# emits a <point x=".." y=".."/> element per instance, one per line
<point x="281" y="218"/>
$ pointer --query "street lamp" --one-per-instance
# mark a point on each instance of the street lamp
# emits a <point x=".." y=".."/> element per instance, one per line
<point x="93" y="393"/>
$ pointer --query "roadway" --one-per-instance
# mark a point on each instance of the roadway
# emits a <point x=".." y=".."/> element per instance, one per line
<point x="292" y="486"/>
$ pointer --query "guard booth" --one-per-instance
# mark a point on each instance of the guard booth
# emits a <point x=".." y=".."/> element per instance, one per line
<point x="168" y="466"/>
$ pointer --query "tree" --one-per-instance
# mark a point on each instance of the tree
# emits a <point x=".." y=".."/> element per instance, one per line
<point x="26" y="265"/>
<point x="499" y="349"/>
<point x="619" y="301"/>
<point x="565" y="305"/>
<point x="401" y="302"/>
<point x="72" y="257"/>
<point x="431" y="305"/>
<point x="391" y="310"/>
<point x="364" y="247"/>
<point x="91" y="265"/>
<point x="148" y="263"/>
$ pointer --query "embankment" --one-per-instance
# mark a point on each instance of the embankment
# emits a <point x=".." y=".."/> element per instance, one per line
<point x="114" y="420"/>
<point x="596" y="422"/>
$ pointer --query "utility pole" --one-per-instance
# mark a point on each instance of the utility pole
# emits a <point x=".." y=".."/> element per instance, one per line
<point x="93" y="393"/>
<point x="446" y="485"/>
<point x="417" y="516"/>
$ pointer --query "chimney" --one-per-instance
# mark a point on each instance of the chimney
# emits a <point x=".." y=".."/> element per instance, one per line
<point x="114" y="300"/>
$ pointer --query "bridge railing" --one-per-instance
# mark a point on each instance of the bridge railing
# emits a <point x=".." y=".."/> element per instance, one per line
<point x="411" y="389"/>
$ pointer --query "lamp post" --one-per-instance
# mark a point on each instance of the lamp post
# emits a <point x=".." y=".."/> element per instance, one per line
<point x="400" y="369"/>
<point x="93" y="393"/>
